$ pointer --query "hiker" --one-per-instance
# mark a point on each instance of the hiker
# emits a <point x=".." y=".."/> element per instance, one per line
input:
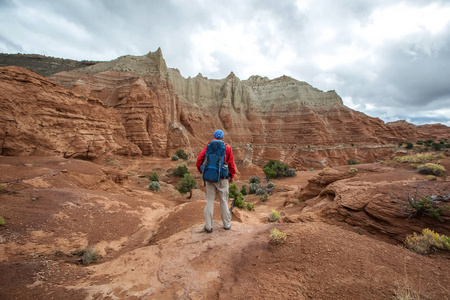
<point x="212" y="162"/>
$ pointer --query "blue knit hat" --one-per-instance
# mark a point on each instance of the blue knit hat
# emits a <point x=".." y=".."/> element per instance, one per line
<point x="218" y="134"/>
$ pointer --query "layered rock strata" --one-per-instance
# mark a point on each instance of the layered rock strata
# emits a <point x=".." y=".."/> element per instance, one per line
<point x="40" y="118"/>
<point x="283" y="118"/>
<point x="43" y="65"/>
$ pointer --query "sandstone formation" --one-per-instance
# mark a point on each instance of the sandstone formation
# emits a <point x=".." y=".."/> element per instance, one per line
<point x="283" y="119"/>
<point x="373" y="199"/>
<point x="40" y="118"/>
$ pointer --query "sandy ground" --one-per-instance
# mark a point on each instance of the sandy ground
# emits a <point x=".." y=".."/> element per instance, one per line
<point x="153" y="245"/>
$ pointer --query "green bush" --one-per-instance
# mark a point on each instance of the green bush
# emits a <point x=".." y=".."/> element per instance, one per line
<point x="437" y="146"/>
<point x="409" y="145"/>
<point x="180" y="170"/>
<point x="153" y="177"/>
<point x="239" y="202"/>
<point x="255" y="179"/>
<point x="181" y="154"/>
<point x="250" y="206"/>
<point x="2" y="221"/>
<point x="269" y="172"/>
<point x="418" y="207"/>
<point x="428" y="143"/>
<point x="274" y="216"/>
<point x="89" y="255"/>
<point x="232" y="191"/>
<point x="352" y="162"/>
<point x="275" y="169"/>
<point x="186" y="184"/>
<point x="154" y="186"/>
<point x="174" y="158"/>
<point x="419" y="142"/>
<point x="244" y="190"/>
<point x="264" y="197"/>
<point x="270" y="185"/>
<point x="252" y="188"/>
<point x="431" y="169"/>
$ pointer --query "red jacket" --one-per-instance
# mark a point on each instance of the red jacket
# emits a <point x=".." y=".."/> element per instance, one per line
<point x="228" y="155"/>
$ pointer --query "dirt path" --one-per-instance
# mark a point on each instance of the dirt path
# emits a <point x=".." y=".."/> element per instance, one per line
<point x="153" y="245"/>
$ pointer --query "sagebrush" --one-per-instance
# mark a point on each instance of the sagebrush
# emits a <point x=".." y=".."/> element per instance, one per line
<point x="274" y="216"/>
<point x="426" y="241"/>
<point x="277" y="237"/>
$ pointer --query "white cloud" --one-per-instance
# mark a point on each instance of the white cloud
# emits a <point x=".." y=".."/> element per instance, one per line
<point x="386" y="58"/>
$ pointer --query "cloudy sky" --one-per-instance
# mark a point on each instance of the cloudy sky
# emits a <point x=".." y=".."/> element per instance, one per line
<point x="387" y="58"/>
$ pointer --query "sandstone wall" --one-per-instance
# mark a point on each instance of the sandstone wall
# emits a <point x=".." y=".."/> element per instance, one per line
<point x="162" y="111"/>
<point x="40" y="118"/>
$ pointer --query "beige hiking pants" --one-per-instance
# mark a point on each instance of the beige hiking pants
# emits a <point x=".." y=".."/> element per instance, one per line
<point x="222" y="188"/>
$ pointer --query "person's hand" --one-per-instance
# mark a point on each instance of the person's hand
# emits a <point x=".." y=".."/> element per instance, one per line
<point x="230" y="180"/>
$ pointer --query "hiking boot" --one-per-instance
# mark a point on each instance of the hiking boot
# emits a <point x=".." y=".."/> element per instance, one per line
<point x="208" y="230"/>
<point x="226" y="228"/>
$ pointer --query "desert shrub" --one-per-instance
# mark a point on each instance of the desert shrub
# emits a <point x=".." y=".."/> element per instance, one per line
<point x="409" y="145"/>
<point x="180" y="170"/>
<point x="259" y="192"/>
<point x="428" y="240"/>
<point x="255" y="179"/>
<point x="239" y="202"/>
<point x="269" y="172"/>
<point x="270" y="185"/>
<point x="154" y="186"/>
<point x="431" y="177"/>
<point x="153" y="177"/>
<point x="353" y="170"/>
<point x="311" y="169"/>
<point x="428" y="143"/>
<point x="419" y="143"/>
<point x="400" y="144"/>
<point x="437" y="146"/>
<point x="290" y="173"/>
<point x="181" y="154"/>
<point x="264" y="197"/>
<point x="252" y="188"/>
<point x="275" y="169"/>
<point x="2" y="221"/>
<point x="244" y="190"/>
<point x="277" y="237"/>
<point x="174" y="158"/>
<point x="428" y="205"/>
<point x="274" y="216"/>
<point x="232" y="191"/>
<point x="250" y="206"/>
<point x="352" y="162"/>
<point x="431" y="169"/>
<point x="89" y="255"/>
<point x="418" y="158"/>
<point x="186" y="184"/>
<point x="296" y="201"/>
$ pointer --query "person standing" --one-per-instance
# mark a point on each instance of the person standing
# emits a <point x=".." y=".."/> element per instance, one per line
<point x="222" y="183"/>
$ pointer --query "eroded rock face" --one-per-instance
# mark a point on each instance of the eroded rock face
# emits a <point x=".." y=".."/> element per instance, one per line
<point x="40" y="118"/>
<point x="373" y="199"/>
<point x="283" y="119"/>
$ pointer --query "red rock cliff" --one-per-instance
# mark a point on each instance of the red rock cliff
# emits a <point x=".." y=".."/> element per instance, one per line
<point x="40" y="118"/>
